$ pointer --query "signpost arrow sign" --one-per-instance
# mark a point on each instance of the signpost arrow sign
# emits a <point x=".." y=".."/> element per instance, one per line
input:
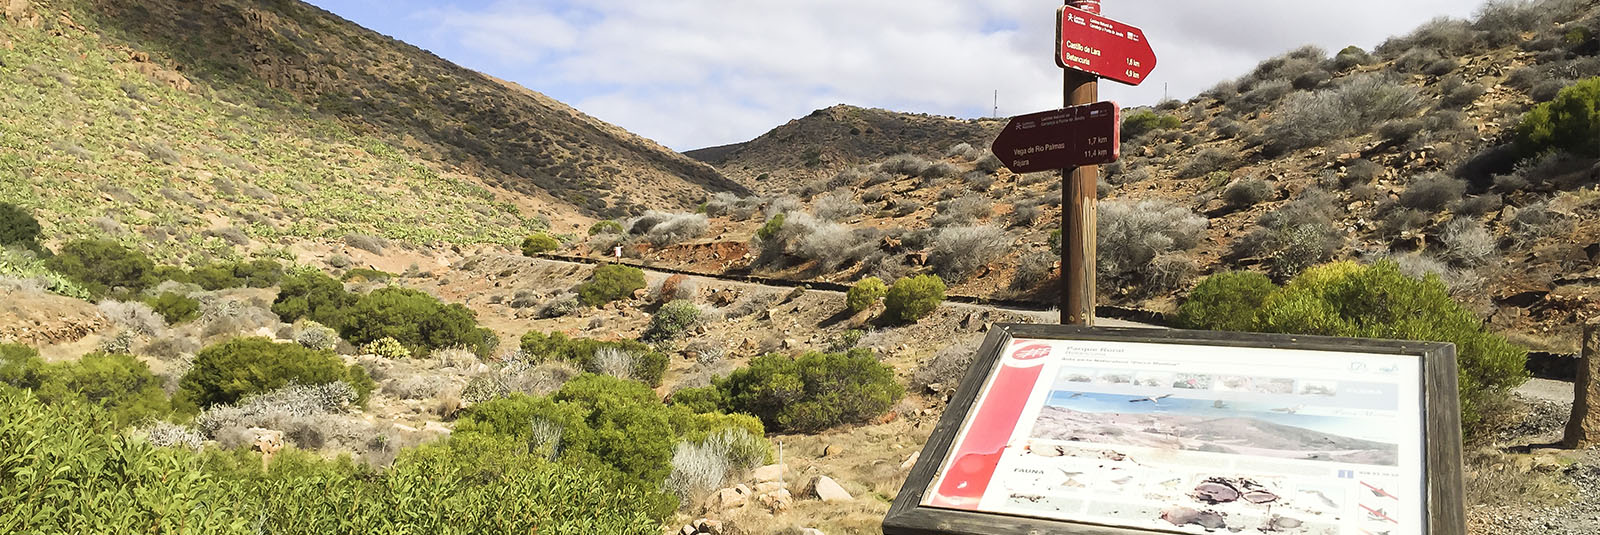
<point x="1070" y="137"/>
<point x="1102" y="47"/>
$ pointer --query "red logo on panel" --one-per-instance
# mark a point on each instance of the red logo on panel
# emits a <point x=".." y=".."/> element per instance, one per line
<point x="1036" y="351"/>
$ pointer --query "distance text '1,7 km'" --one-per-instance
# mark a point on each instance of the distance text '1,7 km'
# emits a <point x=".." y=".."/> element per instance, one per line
<point x="1069" y="137"/>
<point x="1102" y="47"/>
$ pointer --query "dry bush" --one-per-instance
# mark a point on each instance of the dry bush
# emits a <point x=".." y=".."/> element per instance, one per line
<point x="750" y="303"/>
<point x="1465" y="243"/>
<point x="415" y="386"/>
<point x="941" y="373"/>
<point x="164" y="434"/>
<point x="782" y="205"/>
<point x="614" y="362"/>
<point x="831" y="245"/>
<point x="314" y="335"/>
<point x="559" y="306"/>
<point x="962" y="211"/>
<point x="1247" y="192"/>
<point x="959" y="252"/>
<point x="905" y="164"/>
<point x="965" y="152"/>
<point x="1355" y="105"/>
<point x="837" y="206"/>
<point x="1538" y="220"/>
<point x="1133" y="233"/>
<point x="220" y="315"/>
<point x="273" y="407"/>
<point x="1034" y="268"/>
<point x="1433" y="193"/>
<point x="133" y="316"/>
<point x="701" y="468"/>
<point x="662" y="228"/>
<point x="1026" y="213"/>
<point x="517" y="376"/>
<point x="673" y="288"/>
<point x="371" y="244"/>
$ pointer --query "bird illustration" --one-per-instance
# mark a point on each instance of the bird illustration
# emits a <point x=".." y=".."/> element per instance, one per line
<point x="1154" y="399"/>
<point x="1378" y="491"/>
<point x="1289" y="410"/>
<point x="1075" y="395"/>
<point x="1379" y="514"/>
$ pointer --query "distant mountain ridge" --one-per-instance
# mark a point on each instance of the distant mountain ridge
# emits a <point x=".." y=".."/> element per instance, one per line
<point x="832" y="139"/>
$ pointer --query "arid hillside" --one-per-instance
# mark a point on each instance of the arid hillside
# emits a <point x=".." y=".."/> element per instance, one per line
<point x="833" y="139"/>
<point x="250" y="123"/>
<point x="1407" y="152"/>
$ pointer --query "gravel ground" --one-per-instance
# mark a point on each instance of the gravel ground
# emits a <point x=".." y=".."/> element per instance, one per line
<point x="1579" y="512"/>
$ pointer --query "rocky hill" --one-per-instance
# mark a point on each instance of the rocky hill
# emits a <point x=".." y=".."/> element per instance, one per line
<point x="833" y="139"/>
<point x="231" y="123"/>
<point x="1404" y="152"/>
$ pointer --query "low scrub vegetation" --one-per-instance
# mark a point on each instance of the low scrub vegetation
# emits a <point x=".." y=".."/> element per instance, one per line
<point x="912" y="298"/>
<point x="230" y="371"/>
<point x="864" y="294"/>
<point x="647" y="364"/>
<point x="1568" y="123"/>
<point x="1356" y="104"/>
<point x="540" y="242"/>
<point x="620" y="425"/>
<point x="809" y="393"/>
<point x="610" y="283"/>
<point x="1374" y="301"/>
<point x="1140" y="243"/>
<point x="103" y="267"/>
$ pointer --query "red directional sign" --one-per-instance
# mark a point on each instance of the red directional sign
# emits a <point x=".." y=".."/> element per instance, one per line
<point x="1103" y="47"/>
<point x="1070" y="137"/>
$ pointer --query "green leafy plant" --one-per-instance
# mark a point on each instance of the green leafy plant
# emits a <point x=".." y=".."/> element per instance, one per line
<point x="18" y="228"/>
<point x="386" y="347"/>
<point x="1140" y="122"/>
<point x="1571" y="122"/>
<point x="1375" y="301"/>
<point x="313" y="295"/>
<point x="102" y="265"/>
<point x="610" y="283"/>
<point x="913" y="298"/>
<point x="772" y="227"/>
<point x="174" y="307"/>
<point x="806" y="394"/>
<point x="595" y="418"/>
<point x="539" y="242"/>
<point x="1225" y="301"/>
<point x="605" y="227"/>
<point x="417" y="320"/>
<point x="672" y="320"/>
<point x="864" y="294"/>
<point x="229" y="371"/>
<point x="361" y="274"/>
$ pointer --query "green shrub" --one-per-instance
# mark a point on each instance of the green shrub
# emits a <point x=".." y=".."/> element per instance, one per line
<point x="121" y="384"/>
<point x="610" y="283"/>
<point x="649" y="364"/>
<point x="313" y="295"/>
<point x="415" y="319"/>
<point x="772" y="227"/>
<point x="806" y="394"/>
<point x="18" y="228"/>
<point x="1571" y="122"/>
<point x="913" y="298"/>
<point x="103" y="265"/>
<point x="1378" y="301"/>
<point x="21" y="367"/>
<point x="69" y="469"/>
<point x="672" y="320"/>
<point x="229" y="371"/>
<point x="1225" y="302"/>
<point x="174" y="307"/>
<point x="605" y="227"/>
<point x="595" y="418"/>
<point x="386" y="347"/>
<point x="260" y="273"/>
<point x="539" y="242"/>
<point x="864" y="294"/>
<point x="1139" y="122"/>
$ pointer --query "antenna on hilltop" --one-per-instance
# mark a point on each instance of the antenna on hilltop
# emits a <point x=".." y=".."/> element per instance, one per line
<point x="997" y="103"/>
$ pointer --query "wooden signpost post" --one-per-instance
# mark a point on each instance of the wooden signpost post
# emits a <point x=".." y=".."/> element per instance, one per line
<point x="1079" y="137"/>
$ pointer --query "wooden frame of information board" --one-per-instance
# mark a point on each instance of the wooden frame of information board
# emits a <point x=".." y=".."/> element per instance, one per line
<point x="1436" y="444"/>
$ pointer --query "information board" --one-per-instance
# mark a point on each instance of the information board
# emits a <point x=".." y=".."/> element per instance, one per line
<point x="1152" y="431"/>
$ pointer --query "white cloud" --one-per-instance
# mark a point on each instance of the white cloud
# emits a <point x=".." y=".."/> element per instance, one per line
<point x="693" y="73"/>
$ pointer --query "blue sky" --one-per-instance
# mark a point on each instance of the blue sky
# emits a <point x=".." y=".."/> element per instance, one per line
<point x="696" y="73"/>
